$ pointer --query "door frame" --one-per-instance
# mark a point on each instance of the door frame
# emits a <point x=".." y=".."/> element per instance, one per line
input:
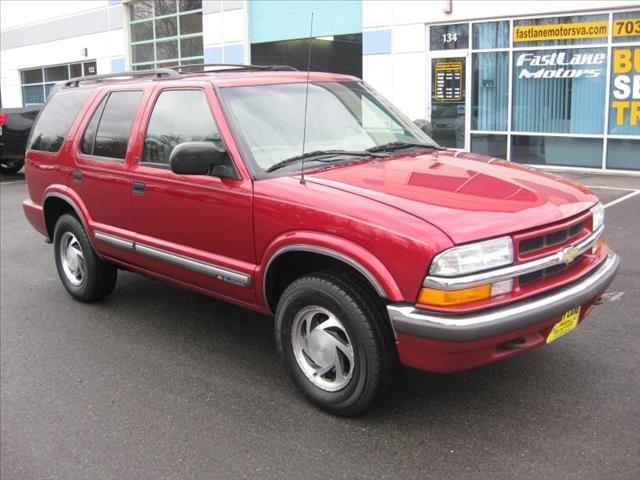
<point x="459" y="53"/>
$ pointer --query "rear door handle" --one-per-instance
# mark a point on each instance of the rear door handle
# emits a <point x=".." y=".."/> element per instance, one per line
<point x="138" y="187"/>
<point x="77" y="176"/>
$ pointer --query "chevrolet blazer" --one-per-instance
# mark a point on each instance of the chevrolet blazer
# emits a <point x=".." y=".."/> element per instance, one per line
<point x="311" y="198"/>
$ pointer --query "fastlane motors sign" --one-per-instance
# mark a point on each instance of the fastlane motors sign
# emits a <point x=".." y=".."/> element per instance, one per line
<point x="561" y="64"/>
<point x="625" y="75"/>
<point x="623" y="27"/>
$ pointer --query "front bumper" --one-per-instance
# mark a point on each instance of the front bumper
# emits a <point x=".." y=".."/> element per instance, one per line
<point x="441" y="342"/>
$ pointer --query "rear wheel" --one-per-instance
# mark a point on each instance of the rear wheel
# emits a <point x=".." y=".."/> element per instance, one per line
<point x="334" y="338"/>
<point x="85" y="276"/>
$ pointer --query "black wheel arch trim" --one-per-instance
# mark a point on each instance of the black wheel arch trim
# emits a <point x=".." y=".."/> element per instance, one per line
<point x="77" y="211"/>
<point x="300" y="247"/>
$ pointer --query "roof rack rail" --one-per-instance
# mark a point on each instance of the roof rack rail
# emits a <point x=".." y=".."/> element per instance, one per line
<point x="156" y="72"/>
<point x="225" y="67"/>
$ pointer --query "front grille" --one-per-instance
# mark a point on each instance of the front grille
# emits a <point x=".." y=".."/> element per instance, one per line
<point x="547" y="272"/>
<point x="557" y="237"/>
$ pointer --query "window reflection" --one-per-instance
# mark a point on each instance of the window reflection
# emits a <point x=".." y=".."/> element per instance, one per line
<point x="178" y="116"/>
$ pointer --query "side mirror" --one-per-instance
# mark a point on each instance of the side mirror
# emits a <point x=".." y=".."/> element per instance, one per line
<point x="424" y="125"/>
<point x="200" y="158"/>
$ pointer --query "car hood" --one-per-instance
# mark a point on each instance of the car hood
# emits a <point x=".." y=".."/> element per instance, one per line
<point x="467" y="196"/>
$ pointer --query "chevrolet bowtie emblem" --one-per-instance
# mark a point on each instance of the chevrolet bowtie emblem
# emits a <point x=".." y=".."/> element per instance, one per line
<point x="568" y="255"/>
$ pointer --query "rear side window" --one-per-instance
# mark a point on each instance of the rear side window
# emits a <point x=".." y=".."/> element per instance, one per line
<point x="55" y="120"/>
<point x="178" y="116"/>
<point x="107" y="134"/>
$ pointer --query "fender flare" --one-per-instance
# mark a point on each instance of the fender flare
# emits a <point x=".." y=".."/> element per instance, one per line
<point x="363" y="261"/>
<point x="63" y="193"/>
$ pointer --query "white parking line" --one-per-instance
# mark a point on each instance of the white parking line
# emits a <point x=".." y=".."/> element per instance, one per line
<point x="9" y="183"/>
<point x="622" y="199"/>
<point x="632" y="193"/>
<point x="612" y="188"/>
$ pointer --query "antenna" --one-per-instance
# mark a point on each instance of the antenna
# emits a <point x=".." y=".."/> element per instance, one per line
<point x="306" y="100"/>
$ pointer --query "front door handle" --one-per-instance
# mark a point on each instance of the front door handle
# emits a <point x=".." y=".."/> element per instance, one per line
<point x="138" y="187"/>
<point x="77" y="176"/>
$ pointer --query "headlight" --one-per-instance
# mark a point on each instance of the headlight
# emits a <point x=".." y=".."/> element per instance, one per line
<point x="598" y="216"/>
<point x="474" y="257"/>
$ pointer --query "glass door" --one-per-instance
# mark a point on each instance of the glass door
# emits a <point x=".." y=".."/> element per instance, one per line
<point x="449" y="99"/>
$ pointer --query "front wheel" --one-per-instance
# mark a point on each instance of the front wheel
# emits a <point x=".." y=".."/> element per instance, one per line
<point x="336" y="343"/>
<point x="85" y="275"/>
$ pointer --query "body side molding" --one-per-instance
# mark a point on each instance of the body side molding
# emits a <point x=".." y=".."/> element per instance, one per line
<point x="212" y="270"/>
<point x="114" y="241"/>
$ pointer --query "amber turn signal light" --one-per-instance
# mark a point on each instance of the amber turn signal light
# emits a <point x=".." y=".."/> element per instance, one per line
<point x="443" y="298"/>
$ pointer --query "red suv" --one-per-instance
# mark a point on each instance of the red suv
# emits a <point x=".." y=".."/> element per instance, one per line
<point x="321" y="204"/>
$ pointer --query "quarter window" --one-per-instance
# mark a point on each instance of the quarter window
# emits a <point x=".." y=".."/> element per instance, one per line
<point x="55" y="120"/>
<point x="89" y="137"/>
<point x="107" y="134"/>
<point x="178" y="116"/>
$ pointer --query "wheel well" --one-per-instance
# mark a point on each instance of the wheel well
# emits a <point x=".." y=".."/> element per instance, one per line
<point x="289" y="266"/>
<point x="54" y="208"/>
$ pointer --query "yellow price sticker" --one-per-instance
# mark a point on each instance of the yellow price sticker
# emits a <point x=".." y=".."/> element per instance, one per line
<point x="568" y="322"/>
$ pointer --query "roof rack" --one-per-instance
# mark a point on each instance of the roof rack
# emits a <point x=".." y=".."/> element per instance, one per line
<point x="226" y="67"/>
<point x="156" y="72"/>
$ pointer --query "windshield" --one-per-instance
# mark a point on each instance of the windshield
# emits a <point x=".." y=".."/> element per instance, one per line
<point x="268" y="120"/>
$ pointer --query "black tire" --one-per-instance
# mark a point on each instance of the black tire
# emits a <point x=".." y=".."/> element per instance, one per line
<point x="365" y="320"/>
<point x="99" y="277"/>
<point x="11" y="168"/>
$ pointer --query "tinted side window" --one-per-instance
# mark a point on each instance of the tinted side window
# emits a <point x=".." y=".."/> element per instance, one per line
<point x="55" y="120"/>
<point x="114" y="127"/>
<point x="178" y="116"/>
<point x="89" y="137"/>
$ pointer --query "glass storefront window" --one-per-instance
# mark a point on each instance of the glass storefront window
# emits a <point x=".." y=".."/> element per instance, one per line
<point x="490" y="87"/>
<point x="623" y="154"/>
<point x="559" y="91"/>
<point x="338" y="54"/>
<point x="624" y="108"/>
<point x="448" y="101"/>
<point x="491" y="35"/>
<point x="573" y="30"/>
<point x="449" y="37"/>
<point x="556" y="107"/>
<point x="626" y="27"/>
<point x="38" y="83"/>
<point x="165" y="33"/>
<point x="32" y="76"/>
<point x="489" y="144"/>
<point x="564" y="151"/>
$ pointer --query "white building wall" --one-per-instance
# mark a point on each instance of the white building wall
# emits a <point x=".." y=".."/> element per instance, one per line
<point x="102" y="47"/>
<point x="225" y="30"/>
<point x="225" y="37"/>
<point x="16" y="13"/>
<point x="401" y="73"/>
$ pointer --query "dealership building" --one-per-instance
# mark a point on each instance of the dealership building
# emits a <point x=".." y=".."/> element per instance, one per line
<point x="554" y="83"/>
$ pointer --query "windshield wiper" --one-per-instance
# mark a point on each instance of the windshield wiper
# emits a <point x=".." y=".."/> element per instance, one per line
<point x="387" y="147"/>
<point x="317" y="155"/>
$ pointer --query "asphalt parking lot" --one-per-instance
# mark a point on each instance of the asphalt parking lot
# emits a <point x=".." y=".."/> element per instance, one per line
<point x="158" y="382"/>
